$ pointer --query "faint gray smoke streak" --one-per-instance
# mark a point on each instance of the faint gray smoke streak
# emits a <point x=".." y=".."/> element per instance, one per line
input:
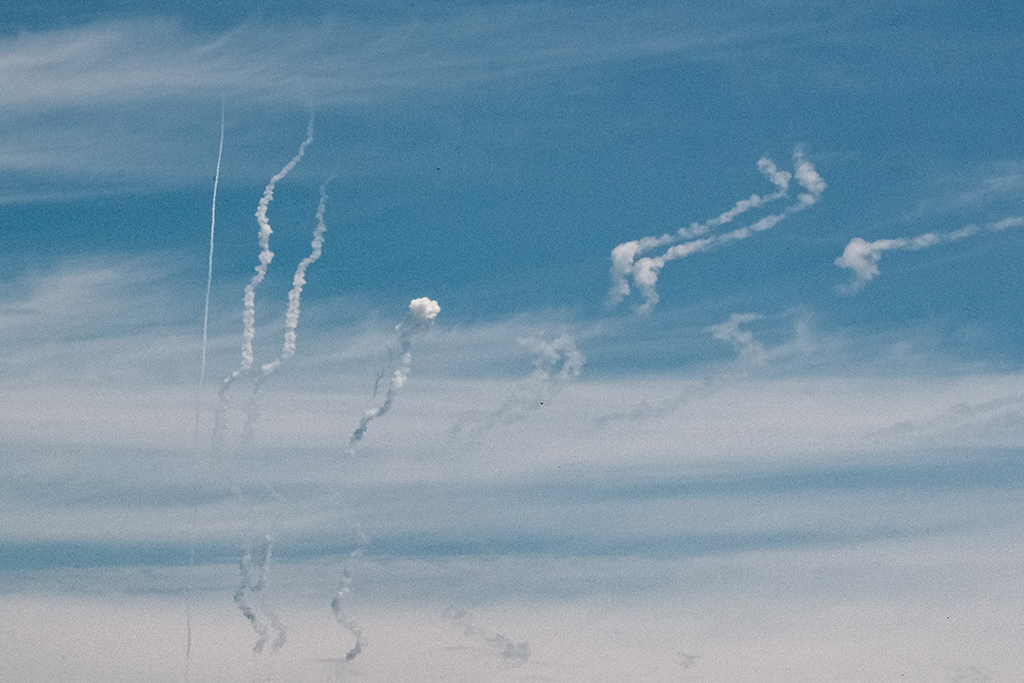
<point x="557" y="364"/>
<point x="341" y="596"/>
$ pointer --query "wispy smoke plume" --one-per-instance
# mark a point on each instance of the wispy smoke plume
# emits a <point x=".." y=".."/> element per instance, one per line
<point x="731" y="332"/>
<point x="644" y="271"/>
<point x="861" y="257"/>
<point x="249" y="300"/>
<point x="422" y="313"/>
<point x="512" y="654"/>
<point x="338" y="603"/>
<point x="557" y="364"/>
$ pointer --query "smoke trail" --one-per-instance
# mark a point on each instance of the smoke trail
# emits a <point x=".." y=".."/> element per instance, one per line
<point x="249" y="301"/>
<point x="337" y="604"/>
<point x="291" y="322"/>
<point x="199" y="391"/>
<point x="245" y="583"/>
<point x="511" y="653"/>
<point x="862" y="257"/>
<point x="624" y="255"/>
<point x="422" y="313"/>
<point x="645" y="271"/>
<point x="250" y="599"/>
<point x="557" y="364"/>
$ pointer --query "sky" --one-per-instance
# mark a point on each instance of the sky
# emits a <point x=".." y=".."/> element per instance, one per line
<point x="544" y="342"/>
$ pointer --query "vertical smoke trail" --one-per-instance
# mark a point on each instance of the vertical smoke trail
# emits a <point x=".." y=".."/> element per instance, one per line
<point x="421" y="316"/>
<point x="199" y="391"/>
<point x="558" y="363"/>
<point x="249" y="301"/>
<point x="337" y="604"/>
<point x="292" y="315"/>
<point x="646" y="270"/>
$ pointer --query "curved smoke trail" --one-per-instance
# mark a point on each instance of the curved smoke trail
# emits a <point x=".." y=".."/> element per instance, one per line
<point x="249" y="301"/>
<point x="421" y="316"/>
<point x="291" y="322"/>
<point x="645" y="271"/>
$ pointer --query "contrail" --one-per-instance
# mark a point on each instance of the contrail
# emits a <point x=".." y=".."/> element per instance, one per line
<point x="337" y="604"/>
<point x="249" y="301"/>
<point x="645" y="271"/>
<point x="558" y="363"/>
<point x="861" y="257"/>
<point x="292" y="315"/>
<point x="199" y="392"/>
<point x="731" y="332"/>
<point x="422" y="313"/>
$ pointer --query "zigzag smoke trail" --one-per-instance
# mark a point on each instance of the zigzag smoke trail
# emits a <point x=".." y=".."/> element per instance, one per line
<point x="292" y="315"/>
<point x="249" y="303"/>
<point x="646" y="270"/>
<point x="421" y="316"/>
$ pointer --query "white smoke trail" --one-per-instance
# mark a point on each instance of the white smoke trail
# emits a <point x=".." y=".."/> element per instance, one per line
<point x="624" y="255"/>
<point x="338" y="602"/>
<point x="199" y="391"/>
<point x="558" y="363"/>
<point x="292" y="315"/>
<point x="241" y="598"/>
<point x="249" y="300"/>
<point x="645" y="271"/>
<point x="512" y="654"/>
<point x="422" y="313"/>
<point x="861" y="257"/>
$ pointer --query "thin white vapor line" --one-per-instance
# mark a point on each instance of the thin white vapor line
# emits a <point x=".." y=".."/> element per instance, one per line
<point x="199" y="389"/>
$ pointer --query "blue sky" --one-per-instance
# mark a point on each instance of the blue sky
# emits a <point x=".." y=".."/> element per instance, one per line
<point x="801" y="463"/>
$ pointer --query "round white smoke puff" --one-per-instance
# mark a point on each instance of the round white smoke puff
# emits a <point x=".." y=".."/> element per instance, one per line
<point x="424" y="308"/>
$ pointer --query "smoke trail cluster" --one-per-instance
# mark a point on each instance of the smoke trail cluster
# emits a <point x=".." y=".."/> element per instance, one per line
<point x="644" y="271"/>
<point x="861" y="257"/>
<point x="250" y="599"/>
<point x="422" y="313"/>
<point x="557" y="364"/>
<point x="291" y="321"/>
<point x="249" y="299"/>
<point x="512" y="654"/>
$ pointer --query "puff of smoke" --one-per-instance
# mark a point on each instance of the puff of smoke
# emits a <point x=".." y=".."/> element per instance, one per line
<point x="624" y="255"/>
<point x="557" y="364"/>
<point x="249" y="299"/>
<point x="861" y="257"/>
<point x="645" y="271"/>
<point x="422" y="313"/>
<point x="338" y="602"/>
